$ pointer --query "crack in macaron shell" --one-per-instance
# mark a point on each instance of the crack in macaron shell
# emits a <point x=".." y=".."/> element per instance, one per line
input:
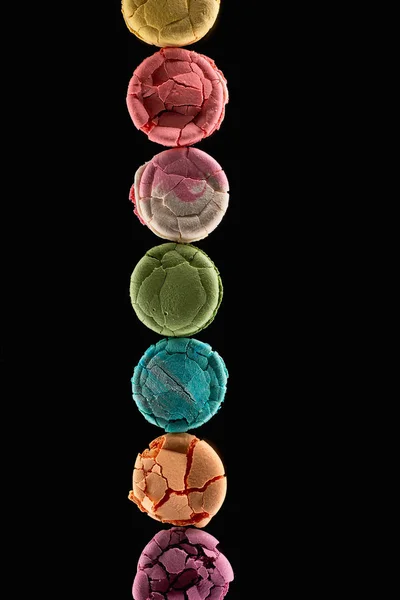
<point x="182" y="194"/>
<point x="177" y="97"/>
<point x="176" y="290"/>
<point x="179" y="384"/>
<point x="171" y="22"/>
<point x="182" y="564"/>
<point x="179" y="480"/>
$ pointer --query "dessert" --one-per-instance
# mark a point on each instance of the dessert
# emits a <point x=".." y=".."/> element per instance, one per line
<point x="179" y="480"/>
<point x="181" y="194"/>
<point x="170" y="22"/>
<point x="176" y="290"/>
<point x="182" y="563"/>
<point x="177" y="97"/>
<point x="179" y="384"/>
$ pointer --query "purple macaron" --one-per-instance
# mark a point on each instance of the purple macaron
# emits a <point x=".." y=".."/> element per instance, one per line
<point x="182" y="563"/>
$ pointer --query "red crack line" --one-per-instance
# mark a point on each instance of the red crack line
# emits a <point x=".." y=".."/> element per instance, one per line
<point x="189" y="456"/>
<point x="185" y="492"/>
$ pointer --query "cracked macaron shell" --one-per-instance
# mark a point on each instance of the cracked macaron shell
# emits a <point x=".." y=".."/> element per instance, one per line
<point x="177" y="97"/>
<point x="176" y="290"/>
<point x="181" y="194"/>
<point x="170" y="23"/>
<point x="182" y="564"/>
<point x="179" y="384"/>
<point x="179" y="480"/>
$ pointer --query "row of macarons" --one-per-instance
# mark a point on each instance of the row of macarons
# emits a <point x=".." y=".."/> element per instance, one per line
<point x="178" y="385"/>
<point x="177" y="98"/>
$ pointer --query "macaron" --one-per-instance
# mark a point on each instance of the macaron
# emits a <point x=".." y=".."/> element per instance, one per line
<point x="179" y="480"/>
<point x="181" y="194"/>
<point x="177" y="97"/>
<point x="171" y="22"/>
<point x="182" y="563"/>
<point x="176" y="290"/>
<point x="179" y="384"/>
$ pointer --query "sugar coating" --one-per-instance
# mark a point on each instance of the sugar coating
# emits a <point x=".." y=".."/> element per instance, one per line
<point x="170" y="22"/>
<point x="182" y="563"/>
<point x="181" y="194"/>
<point x="179" y="480"/>
<point x="179" y="384"/>
<point x="177" y="97"/>
<point x="176" y="290"/>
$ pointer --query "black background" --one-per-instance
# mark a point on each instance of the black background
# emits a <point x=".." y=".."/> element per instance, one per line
<point x="134" y="240"/>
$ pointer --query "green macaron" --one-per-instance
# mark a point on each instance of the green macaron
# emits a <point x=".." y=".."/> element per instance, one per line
<point x="176" y="289"/>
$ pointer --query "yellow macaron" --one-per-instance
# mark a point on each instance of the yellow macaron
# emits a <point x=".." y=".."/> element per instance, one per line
<point x="170" y="22"/>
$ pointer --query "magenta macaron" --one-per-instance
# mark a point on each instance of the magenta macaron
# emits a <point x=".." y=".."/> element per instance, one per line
<point x="182" y="564"/>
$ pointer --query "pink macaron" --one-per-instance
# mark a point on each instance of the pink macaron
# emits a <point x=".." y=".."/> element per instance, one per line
<point x="177" y="97"/>
<point x="181" y="194"/>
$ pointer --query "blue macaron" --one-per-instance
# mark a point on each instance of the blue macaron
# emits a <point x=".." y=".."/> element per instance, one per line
<point x="179" y="384"/>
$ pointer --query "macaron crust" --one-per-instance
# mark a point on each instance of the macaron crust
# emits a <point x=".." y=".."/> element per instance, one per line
<point x="176" y="290"/>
